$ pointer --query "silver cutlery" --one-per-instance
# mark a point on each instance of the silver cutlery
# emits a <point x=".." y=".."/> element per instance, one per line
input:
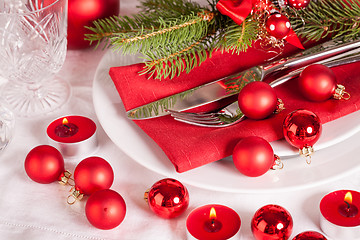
<point x="231" y="114"/>
<point x="231" y="85"/>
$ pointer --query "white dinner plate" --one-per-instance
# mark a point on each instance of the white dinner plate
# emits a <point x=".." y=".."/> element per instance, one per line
<point x="335" y="152"/>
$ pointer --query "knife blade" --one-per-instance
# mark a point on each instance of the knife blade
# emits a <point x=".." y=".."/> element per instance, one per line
<point x="231" y="85"/>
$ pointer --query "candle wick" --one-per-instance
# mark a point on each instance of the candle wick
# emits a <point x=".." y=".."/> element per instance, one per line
<point x="213" y="221"/>
<point x="348" y="204"/>
<point x="66" y="126"/>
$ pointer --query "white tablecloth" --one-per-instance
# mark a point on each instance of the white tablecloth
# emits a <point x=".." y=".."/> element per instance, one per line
<point x="29" y="210"/>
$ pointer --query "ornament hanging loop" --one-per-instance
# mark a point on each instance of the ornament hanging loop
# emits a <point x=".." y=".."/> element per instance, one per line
<point x="280" y="106"/>
<point x="340" y="93"/>
<point x="306" y="152"/>
<point x="278" y="164"/>
<point x="65" y="179"/>
<point x="75" y="196"/>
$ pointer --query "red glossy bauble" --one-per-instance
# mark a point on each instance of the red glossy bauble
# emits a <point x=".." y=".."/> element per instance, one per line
<point x="44" y="164"/>
<point x="272" y="222"/>
<point x="253" y="156"/>
<point x="302" y="128"/>
<point x="317" y="82"/>
<point x="82" y="13"/>
<point x="257" y="100"/>
<point x="168" y="198"/>
<point x="298" y="4"/>
<point x="105" y="209"/>
<point x="93" y="174"/>
<point x="309" y="235"/>
<point x="278" y="25"/>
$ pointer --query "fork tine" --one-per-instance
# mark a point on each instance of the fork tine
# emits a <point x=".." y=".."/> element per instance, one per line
<point x="198" y="123"/>
<point x="190" y="114"/>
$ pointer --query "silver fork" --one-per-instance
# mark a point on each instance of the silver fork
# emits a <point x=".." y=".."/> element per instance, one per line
<point x="231" y="114"/>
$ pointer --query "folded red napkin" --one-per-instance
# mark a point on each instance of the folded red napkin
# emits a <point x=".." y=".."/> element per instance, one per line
<point x="189" y="146"/>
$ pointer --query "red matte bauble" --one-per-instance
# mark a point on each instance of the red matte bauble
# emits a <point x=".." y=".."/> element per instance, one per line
<point x="105" y="209"/>
<point x="82" y="13"/>
<point x="44" y="164"/>
<point x="272" y="222"/>
<point x="302" y="128"/>
<point x="93" y="174"/>
<point x="253" y="156"/>
<point x="309" y="235"/>
<point x="317" y="82"/>
<point x="257" y="100"/>
<point x="168" y="198"/>
<point x="298" y="4"/>
<point x="278" y="25"/>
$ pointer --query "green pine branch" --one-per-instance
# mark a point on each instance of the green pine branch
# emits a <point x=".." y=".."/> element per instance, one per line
<point x="238" y="38"/>
<point x="324" y="18"/>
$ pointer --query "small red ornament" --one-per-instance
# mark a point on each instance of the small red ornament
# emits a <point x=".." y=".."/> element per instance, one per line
<point x="44" y="164"/>
<point x="82" y="13"/>
<point x="317" y="83"/>
<point x="272" y="222"/>
<point x="105" y="209"/>
<point x="257" y="100"/>
<point x="167" y="198"/>
<point x="253" y="156"/>
<point x="309" y="235"/>
<point x="93" y="174"/>
<point x="278" y="25"/>
<point x="298" y="4"/>
<point x="302" y="129"/>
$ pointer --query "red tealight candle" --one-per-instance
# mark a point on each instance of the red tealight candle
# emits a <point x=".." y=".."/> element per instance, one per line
<point x="213" y="222"/>
<point x="73" y="135"/>
<point x="340" y="217"/>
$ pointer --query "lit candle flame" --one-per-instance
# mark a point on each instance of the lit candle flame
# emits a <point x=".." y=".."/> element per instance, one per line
<point x="65" y="121"/>
<point x="348" y="198"/>
<point x="212" y="213"/>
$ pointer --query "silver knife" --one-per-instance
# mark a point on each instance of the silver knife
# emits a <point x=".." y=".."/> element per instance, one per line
<point x="231" y="85"/>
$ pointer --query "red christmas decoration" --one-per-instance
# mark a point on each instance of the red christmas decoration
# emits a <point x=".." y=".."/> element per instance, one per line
<point x="82" y="13"/>
<point x="93" y="174"/>
<point x="272" y="222"/>
<point x="167" y="198"/>
<point x="253" y="156"/>
<point x="257" y="100"/>
<point x="302" y="129"/>
<point x="298" y="4"/>
<point x="278" y="25"/>
<point x="317" y="83"/>
<point x="309" y="235"/>
<point x="44" y="164"/>
<point x="105" y="209"/>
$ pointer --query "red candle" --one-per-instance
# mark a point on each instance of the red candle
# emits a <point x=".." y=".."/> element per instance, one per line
<point x="73" y="135"/>
<point x="340" y="216"/>
<point x="213" y="222"/>
<point x="71" y="129"/>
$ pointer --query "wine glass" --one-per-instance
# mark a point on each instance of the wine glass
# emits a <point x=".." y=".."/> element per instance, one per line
<point x="7" y="124"/>
<point x="32" y="49"/>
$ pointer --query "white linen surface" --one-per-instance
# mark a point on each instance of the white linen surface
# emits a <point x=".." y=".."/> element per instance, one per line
<point x="29" y="210"/>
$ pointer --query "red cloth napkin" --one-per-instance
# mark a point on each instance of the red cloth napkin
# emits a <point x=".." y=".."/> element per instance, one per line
<point x="188" y="146"/>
